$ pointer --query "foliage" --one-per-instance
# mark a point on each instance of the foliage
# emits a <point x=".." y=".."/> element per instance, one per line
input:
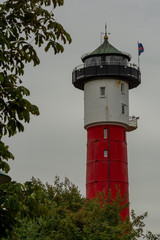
<point x="23" y="26"/>
<point x="34" y="201"/>
<point x="19" y="201"/>
<point x="59" y="212"/>
<point x="10" y="206"/>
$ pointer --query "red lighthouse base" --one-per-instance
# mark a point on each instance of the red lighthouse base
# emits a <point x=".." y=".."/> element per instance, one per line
<point x="107" y="167"/>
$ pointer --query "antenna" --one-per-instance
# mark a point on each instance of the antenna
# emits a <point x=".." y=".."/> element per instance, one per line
<point x="105" y="33"/>
<point x="106" y="29"/>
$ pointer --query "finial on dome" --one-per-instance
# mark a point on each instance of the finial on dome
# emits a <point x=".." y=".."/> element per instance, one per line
<point x="105" y="34"/>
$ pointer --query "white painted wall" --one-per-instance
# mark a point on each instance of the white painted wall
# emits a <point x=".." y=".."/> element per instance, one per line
<point x="108" y="108"/>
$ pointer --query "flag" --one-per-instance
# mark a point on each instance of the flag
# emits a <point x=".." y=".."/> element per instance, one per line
<point x="140" y="48"/>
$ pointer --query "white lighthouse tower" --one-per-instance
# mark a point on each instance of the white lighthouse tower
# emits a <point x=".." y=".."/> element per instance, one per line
<point x="106" y="77"/>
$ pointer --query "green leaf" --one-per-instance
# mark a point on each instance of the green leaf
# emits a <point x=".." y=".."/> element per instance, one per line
<point x="20" y="126"/>
<point x="24" y="90"/>
<point x="48" y="46"/>
<point x="1" y="78"/>
<point x="11" y="126"/>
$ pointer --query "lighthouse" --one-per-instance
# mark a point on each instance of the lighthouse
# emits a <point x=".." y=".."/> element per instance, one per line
<point x="106" y="77"/>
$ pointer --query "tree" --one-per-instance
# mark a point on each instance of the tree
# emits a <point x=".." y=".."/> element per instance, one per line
<point x="32" y="204"/>
<point x="59" y="212"/>
<point x="24" y="25"/>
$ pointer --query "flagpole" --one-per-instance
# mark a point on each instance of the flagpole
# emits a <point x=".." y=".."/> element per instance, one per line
<point x="138" y="55"/>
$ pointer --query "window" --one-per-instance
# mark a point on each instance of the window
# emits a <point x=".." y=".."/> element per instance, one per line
<point x="103" y="59"/>
<point x="123" y="108"/>
<point x="122" y="88"/>
<point x="105" y="153"/>
<point x="102" y="91"/>
<point x="105" y="132"/>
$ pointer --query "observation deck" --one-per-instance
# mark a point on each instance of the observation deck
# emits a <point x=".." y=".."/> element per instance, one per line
<point x="86" y="72"/>
<point x="133" y="123"/>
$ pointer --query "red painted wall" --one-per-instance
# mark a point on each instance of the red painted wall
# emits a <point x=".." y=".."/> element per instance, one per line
<point x="107" y="172"/>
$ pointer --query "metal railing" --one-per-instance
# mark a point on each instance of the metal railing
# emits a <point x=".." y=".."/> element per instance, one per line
<point x="133" y="123"/>
<point x="81" y="66"/>
<point x="129" y="72"/>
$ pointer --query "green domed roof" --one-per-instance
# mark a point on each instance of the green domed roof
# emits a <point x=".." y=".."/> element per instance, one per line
<point x="106" y="48"/>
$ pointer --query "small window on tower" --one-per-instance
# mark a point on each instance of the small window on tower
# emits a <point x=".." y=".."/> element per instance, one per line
<point x="105" y="153"/>
<point x="102" y="91"/>
<point x="123" y="108"/>
<point x="105" y="132"/>
<point x="122" y="88"/>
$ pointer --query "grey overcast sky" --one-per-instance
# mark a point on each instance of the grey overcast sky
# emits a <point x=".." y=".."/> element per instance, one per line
<point x="55" y="142"/>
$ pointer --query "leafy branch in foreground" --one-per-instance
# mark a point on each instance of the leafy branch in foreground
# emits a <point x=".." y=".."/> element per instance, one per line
<point x="23" y="26"/>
